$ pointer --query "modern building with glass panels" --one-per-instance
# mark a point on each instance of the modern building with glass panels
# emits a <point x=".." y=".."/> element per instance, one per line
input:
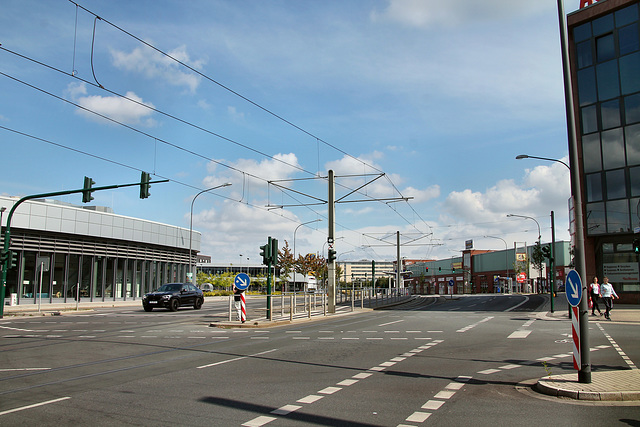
<point x="67" y="251"/>
<point x="604" y="46"/>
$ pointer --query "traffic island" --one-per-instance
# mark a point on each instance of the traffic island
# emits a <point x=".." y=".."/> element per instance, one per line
<point x="623" y="385"/>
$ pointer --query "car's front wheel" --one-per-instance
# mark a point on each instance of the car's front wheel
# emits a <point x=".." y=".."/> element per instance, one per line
<point x="174" y="304"/>
<point x="198" y="304"/>
<point x="147" y="308"/>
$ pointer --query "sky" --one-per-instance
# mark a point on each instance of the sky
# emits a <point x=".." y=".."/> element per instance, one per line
<point x="418" y="106"/>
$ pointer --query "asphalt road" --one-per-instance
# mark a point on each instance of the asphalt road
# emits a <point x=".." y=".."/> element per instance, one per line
<point x="465" y="361"/>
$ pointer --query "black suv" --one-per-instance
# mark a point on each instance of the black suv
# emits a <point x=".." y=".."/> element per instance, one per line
<point x="172" y="296"/>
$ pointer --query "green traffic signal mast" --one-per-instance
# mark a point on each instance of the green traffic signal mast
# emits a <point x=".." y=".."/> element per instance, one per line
<point x="7" y="256"/>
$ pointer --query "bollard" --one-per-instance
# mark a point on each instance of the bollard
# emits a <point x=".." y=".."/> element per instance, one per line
<point x="291" y="307"/>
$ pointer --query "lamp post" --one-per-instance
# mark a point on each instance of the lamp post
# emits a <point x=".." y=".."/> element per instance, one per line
<point x="191" y="227"/>
<point x="537" y="223"/>
<point x="294" y="243"/>
<point x="506" y="255"/>
<point x="526" y="156"/>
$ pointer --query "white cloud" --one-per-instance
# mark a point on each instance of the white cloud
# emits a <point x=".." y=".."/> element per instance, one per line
<point x="426" y="13"/>
<point x="130" y="111"/>
<point x="153" y="64"/>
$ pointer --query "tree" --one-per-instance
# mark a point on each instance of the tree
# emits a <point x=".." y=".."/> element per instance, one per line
<point x="285" y="261"/>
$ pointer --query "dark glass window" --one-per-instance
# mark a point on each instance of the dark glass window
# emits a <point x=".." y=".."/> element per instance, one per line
<point x="608" y="83"/>
<point x="585" y="57"/>
<point x="582" y="32"/>
<point x="634" y="179"/>
<point x="616" y="185"/>
<point x="618" y="216"/>
<point x="632" y="138"/>
<point x="630" y="73"/>
<point x="596" y="219"/>
<point x="603" y="25"/>
<point x="610" y="113"/>
<point x="587" y="86"/>
<point x="591" y="153"/>
<point x="632" y="108"/>
<point x="605" y="48"/>
<point x="613" y="149"/>
<point x="594" y="187"/>
<point x="628" y="39"/>
<point x="627" y="15"/>
<point x="589" y="119"/>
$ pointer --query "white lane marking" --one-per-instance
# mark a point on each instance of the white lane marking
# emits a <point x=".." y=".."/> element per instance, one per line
<point x="444" y="394"/>
<point x="391" y="323"/>
<point x="511" y="366"/>
<point x="35" y="405"/>
<point x="418" y="417"/>
<point x="235" y="359"/>
<point x="519" y="304"/>
<point x="489" y="371"/>
<point x="286" y="409"/>
<point x="259" y="421"/>
<point x="616" y="347"/>
<point x="433" y="405"/>
<point x="310" y="399"/>
<point x="347" y="382"/>
<point x="362" y="375"/>
<point x="24" y="369"/>
<point x="454" y="386"/>
<point x="519" y="334"/>
<point x="330" y="390"/>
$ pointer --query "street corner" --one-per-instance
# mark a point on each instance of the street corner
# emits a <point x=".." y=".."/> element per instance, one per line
<point x="609" y="386"/>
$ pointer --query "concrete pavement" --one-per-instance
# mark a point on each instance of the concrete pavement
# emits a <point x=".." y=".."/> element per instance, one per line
<point x="621" y="385"/>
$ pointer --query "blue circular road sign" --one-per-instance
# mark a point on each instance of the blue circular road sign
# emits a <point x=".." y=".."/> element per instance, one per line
<point x="242" y="281"/>
<point x="573" y="288"/>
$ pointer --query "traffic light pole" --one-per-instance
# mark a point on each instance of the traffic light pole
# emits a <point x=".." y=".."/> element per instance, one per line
<point x="7" y="232"/>
<point x="331" y="267"/>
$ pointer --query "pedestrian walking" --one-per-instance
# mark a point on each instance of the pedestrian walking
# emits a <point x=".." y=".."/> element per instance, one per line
<point x="594" y="292"/>
<point x="608" y="294"/>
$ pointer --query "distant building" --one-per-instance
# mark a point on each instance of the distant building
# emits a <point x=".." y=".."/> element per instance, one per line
<point x="90" y="252"/>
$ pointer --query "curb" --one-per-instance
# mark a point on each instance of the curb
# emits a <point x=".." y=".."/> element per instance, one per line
<point x="599" y="390"/>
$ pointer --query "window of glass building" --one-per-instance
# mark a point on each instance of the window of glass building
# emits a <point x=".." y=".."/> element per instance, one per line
<point x="618" y="216"/>
<point x="629" y="72"/>
<point x="591" y="156"/>
<point x="605" y="48"/>
<point x="603" y="25"/>
<point x="634" y="180"/>
<point x="613" y="149"/>
<point x="596" y="219"/>
<point x="627" y="15"/>
<point x="594" y="187"/>
<point x="610" y="113"/>
<point x="616" y="185"/>
<point x="608" y="81"/>
<point x="587" y="86"/>
<point x="628" y="39"/>
<point x="582" y="32"/>
<point x="632" y="108"/>
<point x="583" y="51"/>
<point x="632" y="138"/>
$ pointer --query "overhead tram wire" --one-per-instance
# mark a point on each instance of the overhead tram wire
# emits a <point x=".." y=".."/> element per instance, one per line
<point x="171" y="116"/>
<point x="212" y="80"/>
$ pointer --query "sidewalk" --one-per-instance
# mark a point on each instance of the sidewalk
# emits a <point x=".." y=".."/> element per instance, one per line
<point x="621" y="385"/>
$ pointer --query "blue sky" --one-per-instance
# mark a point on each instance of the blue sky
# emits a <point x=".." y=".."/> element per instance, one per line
<point x="439" y="96"/>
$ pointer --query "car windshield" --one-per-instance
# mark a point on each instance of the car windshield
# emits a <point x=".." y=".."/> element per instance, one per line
<point x="170" y="287"/>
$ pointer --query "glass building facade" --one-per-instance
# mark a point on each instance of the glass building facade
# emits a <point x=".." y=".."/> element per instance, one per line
<point x="65" y="252"/>
<point x="605" y="65"/>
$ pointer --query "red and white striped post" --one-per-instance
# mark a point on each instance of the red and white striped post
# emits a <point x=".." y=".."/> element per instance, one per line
<point x="243" y="308"/>
<point x="575" y="335"/>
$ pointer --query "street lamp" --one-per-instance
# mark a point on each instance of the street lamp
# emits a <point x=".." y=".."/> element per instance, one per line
<point x="294" y="242"/>
<point x="506" y="256"/>
<point x="526" y="156"/>
<point x="191" y="226"/>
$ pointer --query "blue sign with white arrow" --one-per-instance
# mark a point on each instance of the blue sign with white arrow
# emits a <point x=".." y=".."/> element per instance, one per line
<point x="573" y="288"/>
<point x="242" y="281"/>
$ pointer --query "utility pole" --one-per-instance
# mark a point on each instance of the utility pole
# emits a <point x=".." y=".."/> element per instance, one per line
<point x="331" y="267"/>
<point x="552" y="260"/>
<point x="399" y="261"/>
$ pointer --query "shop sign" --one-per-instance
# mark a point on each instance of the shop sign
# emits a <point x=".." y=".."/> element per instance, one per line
<point x="621" y="272"/>
<point x="585" y="3"/>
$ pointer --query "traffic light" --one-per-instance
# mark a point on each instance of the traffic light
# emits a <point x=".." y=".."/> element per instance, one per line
<point x="144" y="185"/>
<point x="265" y="252"/>
<point x="331" y="255"/>
<point x="274" y="251"/>
<point x="636" y="246"/>
<point x="439" y="268"/>
<point x="427" y="269"/>
<point x="10" y="258"/>
<point x="86" y="190"/>
<point x="453" y="269"/>
<point x="546" y="251"/>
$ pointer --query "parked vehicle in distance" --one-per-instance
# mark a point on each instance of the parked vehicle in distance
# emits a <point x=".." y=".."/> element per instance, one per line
<point x="173" y="296"/>
<point x="206" y="287"/>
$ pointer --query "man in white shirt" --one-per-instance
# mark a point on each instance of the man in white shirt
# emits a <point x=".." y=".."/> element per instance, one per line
<point x="608" y="294"/>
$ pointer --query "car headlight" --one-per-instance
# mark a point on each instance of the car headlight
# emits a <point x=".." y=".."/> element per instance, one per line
<point x="145" y="297"/>
<point x="166" y="296"/>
